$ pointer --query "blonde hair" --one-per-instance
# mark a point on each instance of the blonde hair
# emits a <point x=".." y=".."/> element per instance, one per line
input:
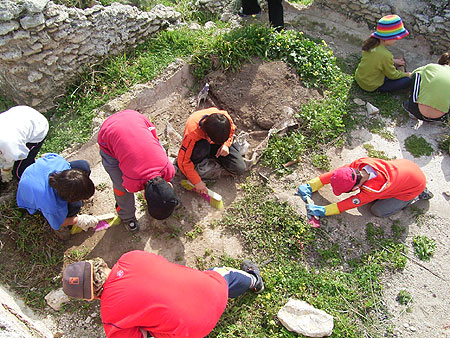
<point x="100" y="275"/>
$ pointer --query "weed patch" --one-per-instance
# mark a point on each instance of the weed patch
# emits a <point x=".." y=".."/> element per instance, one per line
<point x="371" y="152"/>
<point x="418" y="146"/>
<point x="423" y="247"/>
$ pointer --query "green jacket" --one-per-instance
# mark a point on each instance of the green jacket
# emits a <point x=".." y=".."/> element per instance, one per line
<point x="434" y="86"/>
<point x="375" y="65"/>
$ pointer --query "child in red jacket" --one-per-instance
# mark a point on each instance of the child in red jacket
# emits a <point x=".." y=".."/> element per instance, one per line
<point x="391" y="185"/>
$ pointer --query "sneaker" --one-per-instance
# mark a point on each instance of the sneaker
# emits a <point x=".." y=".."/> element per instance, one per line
<point x="426" y="195"/>
<point x="243" y="15"/>
<point x="251" y="268"/>
<point x="131" y="225"/>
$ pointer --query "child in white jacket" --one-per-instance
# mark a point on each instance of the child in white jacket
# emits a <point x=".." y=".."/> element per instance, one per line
<point x="22" y="133"/>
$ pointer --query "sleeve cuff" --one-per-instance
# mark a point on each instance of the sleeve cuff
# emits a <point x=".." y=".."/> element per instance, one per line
<point x="332" y="209"/>
<point x="315" y="184"/>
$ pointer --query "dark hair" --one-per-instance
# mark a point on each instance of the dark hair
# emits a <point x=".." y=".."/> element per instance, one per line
<point x="444" y="59"/>
<point x="72" y="185"/>
<point x="370" y="43"/>
<point x="217" y="127"/>
<point x="358" y="178"/>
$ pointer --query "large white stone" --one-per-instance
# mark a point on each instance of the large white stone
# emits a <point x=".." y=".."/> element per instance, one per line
<point x="56" y="298"/>
<point x="302" y="318"/>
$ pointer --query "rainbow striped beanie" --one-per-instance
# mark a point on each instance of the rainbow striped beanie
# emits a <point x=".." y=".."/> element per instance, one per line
<point x="390" y="27"/>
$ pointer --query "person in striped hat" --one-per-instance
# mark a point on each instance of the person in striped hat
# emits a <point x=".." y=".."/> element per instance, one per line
<point x="378" y="70"/>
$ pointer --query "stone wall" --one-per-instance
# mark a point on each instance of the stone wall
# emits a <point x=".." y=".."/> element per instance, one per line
<point x="44" y="46"/>
<point x="428" y="19"/>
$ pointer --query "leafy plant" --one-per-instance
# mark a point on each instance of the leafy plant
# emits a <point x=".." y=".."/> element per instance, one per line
<point x="444" y="144"/>
<point x="404" y="297"/>
<point x="423" y="247"/>
<point x="371" y="152"/>
<point x="196" y="231"/>
<point x="418" y="146"/>
<point x="321" y="161"/>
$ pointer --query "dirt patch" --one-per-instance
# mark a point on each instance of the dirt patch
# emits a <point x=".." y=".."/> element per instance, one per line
<point x="256" y="94"/>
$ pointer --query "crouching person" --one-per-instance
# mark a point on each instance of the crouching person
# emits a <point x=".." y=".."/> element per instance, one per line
<point x="391" y="185"/>
<point x="56" y="188"/>
<point x="144" y="295"/>
<point x="135" y="161"/>
<point x="22" y="133"/>
<point x="209" y="134"/>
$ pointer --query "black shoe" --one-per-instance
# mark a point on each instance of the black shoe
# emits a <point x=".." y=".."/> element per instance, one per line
<point x="426" y="195"/>
<point x="131" y="225"/>
<point x="251" y="268"/>
<point x="245" y="15"/>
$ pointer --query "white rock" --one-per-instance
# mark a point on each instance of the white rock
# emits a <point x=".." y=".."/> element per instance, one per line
<point x="371" y="109"/>
<point x="56" y="298"/>
<point x="302" y="318"/>
<point x="359" y="102"/>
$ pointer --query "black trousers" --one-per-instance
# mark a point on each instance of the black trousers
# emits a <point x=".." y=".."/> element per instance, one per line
<point x="276" y="18"/>
<point x="20" y="166"/>
<point x="234" y="162"/>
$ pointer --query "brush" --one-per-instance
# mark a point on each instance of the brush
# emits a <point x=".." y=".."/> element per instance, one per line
<point x="314" y="221"/>
<point x="109" y="221"/>
<point x="212" y="197"/>
<point x="105" y="221"/>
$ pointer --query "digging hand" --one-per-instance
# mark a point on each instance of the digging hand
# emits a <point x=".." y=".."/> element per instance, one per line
<point x="87" y="221"/>
<point x="315" y="210"/>
<point x="304" y="191"/>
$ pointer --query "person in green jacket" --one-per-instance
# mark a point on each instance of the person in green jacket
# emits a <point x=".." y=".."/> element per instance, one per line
<point x="378" y="70"/>
<point x="429" y="99"/>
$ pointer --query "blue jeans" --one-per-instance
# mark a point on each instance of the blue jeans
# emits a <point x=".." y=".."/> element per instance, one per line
<point x="238" y="281"/>
<point x="393" y="85"/>
<point x="74" y="207"/>
<point x="388" y="206"/>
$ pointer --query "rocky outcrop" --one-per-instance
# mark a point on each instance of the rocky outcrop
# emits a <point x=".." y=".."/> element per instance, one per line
<point x="44" y="46"/>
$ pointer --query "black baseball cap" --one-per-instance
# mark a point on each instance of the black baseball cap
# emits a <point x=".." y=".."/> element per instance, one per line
<point x="161" y="198"/>
<point x="78" y="280"/>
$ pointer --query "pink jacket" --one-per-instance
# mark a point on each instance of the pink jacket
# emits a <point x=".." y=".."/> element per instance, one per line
<point x="131" y="138"/>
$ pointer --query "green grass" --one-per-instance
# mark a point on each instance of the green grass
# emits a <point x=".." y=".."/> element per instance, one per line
<point x="31" y="256"/>
<point x="71" y="119"/>
<point x="404" y="297"/>
<point x="272" y="232"/>
<point x="418" y="146"/>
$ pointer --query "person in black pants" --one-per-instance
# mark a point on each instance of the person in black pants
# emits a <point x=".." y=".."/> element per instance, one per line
<point x="276" y="19"/>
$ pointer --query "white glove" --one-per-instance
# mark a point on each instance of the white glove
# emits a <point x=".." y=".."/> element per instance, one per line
<point x="87" y="221"/>
<point x="6" y="175"/>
